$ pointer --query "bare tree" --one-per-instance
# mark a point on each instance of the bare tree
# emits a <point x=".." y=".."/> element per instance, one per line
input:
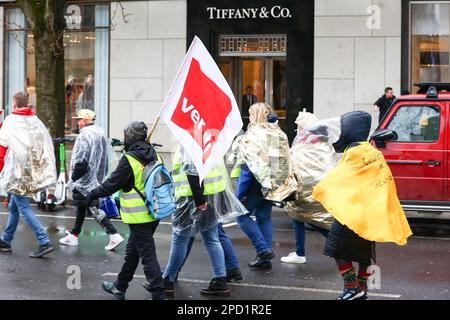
<point x="46" y="20"/>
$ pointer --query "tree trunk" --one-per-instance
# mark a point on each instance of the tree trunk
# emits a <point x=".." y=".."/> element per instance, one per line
<point x="50" y="82"/>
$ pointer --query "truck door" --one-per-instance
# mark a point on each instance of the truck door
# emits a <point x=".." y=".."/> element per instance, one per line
<point x="416" y="158"/>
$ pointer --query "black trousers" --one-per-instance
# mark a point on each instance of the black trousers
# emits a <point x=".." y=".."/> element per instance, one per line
<point x="105" y="223"/>
<point x="141" y="245"/>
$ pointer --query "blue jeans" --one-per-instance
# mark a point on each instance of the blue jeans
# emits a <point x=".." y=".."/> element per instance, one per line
<point x="259" y="232"/>
<point x="231" y="261"/>
<point x="179" y="249"/>
<point x="21" y="205"/>
<point x="299" y="231"/>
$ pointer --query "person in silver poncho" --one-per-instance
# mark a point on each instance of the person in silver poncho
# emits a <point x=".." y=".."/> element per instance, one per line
<point x="27" y="164"/>
<point x="312" y="155"/>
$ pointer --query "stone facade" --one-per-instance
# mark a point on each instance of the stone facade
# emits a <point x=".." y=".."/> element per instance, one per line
<point x="357" y="54"/>
<point x="146" y="53"/>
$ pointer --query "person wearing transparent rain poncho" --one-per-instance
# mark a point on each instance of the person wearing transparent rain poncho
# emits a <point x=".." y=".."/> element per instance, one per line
<point x="313" y="156"/>
<point x="27" y="165"/>
<point x="88" y="169"/>
<point x="200" y="208"/>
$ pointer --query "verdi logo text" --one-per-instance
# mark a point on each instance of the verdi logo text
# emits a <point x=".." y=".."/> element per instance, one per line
<point x="275" y="12"/>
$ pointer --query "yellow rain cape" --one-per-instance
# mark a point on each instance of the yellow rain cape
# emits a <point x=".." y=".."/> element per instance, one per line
<point x="360" y="193"/>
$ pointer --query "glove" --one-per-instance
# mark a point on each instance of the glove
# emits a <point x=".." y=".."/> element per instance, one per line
<point x="91" y="200"/>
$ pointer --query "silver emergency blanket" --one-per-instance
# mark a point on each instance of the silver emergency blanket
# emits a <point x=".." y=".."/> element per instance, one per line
<point x="265" y="150"/>
<point x="91" y="146"/>
<point x="30" y="159"/>
<point x="222" y="207"/>
<point x="313" y="156"/>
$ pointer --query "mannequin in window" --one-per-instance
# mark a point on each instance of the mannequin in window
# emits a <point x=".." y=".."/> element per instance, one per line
<point x="86" y="98"/>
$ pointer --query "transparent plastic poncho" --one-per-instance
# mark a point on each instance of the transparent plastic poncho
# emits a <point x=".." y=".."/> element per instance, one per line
<point x="313" y="157"/>
<point x="92" y="147"/>
<point x="223" y="207"/>
<point x="265" y="150"/>
<point x="30" y="159"/>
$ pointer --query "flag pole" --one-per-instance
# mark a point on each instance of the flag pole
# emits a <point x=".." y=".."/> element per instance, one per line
<point x="153" y="129"/>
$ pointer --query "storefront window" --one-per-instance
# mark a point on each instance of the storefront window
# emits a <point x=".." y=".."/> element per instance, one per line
<point x="86" y="43"/>
<point x="430" y="42"/>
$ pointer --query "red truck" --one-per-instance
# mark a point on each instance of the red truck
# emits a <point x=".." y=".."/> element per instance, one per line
<point x="414" y="137"/>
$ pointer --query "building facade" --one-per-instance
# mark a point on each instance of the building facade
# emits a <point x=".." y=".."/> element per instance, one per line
<point x="325" y="56"/>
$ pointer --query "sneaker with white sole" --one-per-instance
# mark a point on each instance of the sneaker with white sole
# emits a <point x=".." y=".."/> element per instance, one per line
<point x="114" y="241"/>
<point x="69" y="240"/>
<point x="293" y="258"/>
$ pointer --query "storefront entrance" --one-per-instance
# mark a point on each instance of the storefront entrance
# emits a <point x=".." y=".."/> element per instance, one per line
<point x="264" y="48"/>
<point x="255" y="68"/>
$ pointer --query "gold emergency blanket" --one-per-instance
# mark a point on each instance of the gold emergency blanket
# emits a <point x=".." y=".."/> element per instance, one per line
<point x="311" y="162"/>
<point x="360" y="193"/>
<point x="265" y="150"/>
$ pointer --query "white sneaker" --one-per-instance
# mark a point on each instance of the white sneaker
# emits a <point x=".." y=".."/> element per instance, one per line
<point x="114" y="241"/>
<point x="69" y="240"/>
<point x="293" y="258"/>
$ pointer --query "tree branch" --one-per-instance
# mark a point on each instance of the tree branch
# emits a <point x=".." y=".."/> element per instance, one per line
<point x="29" y="8"/>
<point x="123" y="11"/>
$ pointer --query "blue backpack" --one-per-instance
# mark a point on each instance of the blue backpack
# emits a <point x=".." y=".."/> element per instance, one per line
<point x="158" y="190"/>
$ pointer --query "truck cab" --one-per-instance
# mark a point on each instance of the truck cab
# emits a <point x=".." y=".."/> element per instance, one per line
<point x="414" y="137"/>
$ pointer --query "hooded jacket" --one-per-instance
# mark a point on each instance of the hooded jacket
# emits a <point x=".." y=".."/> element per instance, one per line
<point x="342" y="242"/>
<point x="123" y="178"/>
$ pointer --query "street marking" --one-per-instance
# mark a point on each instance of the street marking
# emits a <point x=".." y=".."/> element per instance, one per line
<point x="265" y="286"/>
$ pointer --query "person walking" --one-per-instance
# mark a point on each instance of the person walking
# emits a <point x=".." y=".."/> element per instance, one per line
<point x="27" y="165"/>
<point x="365" y="211"/>
<point x="197" y="208"/>
<point x="249" y="193"/>
<point x="89" y="167"/>
<point x="128" y="178"/>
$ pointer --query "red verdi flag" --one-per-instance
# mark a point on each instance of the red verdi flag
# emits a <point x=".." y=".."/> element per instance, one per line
<point x="200" y="109"/>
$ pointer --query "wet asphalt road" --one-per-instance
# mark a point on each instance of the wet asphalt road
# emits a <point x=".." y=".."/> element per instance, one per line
<point x="417" y="271"/>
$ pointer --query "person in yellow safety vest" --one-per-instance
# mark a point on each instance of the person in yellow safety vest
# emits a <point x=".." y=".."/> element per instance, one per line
<point x="128" y="179"/>
<point x="200" y="198"/>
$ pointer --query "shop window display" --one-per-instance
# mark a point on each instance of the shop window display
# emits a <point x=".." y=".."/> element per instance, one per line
<point x="86" y="61"/>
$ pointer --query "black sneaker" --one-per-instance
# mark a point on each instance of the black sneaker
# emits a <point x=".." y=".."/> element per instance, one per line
<point x="110" y="287"/>
<point x="168" y="287"/>
<point x="42" y="251"/>
<point x="351" y="294"/>
<point x="234" y="275"/>
<point x="217" y="287"/>
<point x="364" y="297"/>
<point x="262" y="261"/>
<point x="4" y="247"/>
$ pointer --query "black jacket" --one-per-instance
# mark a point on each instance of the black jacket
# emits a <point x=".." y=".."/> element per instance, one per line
<point x="384" y="104"/>
<point x="122" y="178"/>
<point x="342" y="242"/>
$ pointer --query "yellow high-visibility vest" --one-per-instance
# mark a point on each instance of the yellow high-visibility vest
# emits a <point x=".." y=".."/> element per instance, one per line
<point x="213" y="183"/>
<point x="132" y="207"/>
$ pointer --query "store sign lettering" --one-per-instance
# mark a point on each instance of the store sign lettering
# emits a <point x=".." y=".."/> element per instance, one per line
<point x="276" y="12"/>
<point x="73" y="17"/>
